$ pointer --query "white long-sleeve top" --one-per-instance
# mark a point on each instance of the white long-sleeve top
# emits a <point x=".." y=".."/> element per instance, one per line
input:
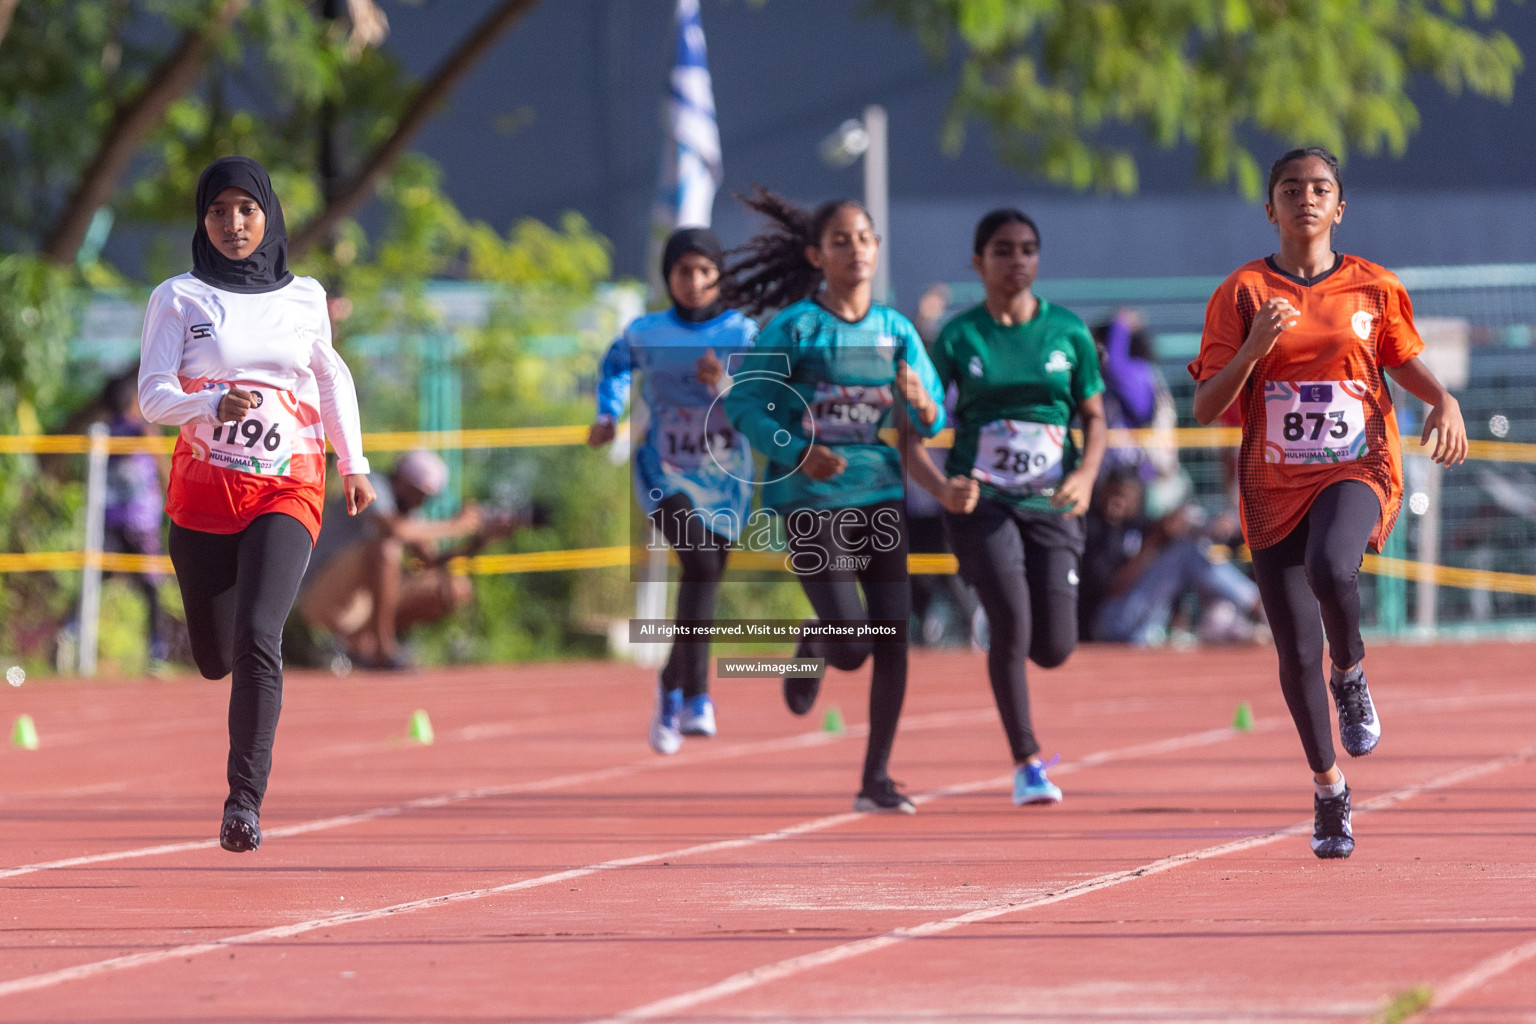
<point x="197" y="341"/>
<point x="195" y="333"/>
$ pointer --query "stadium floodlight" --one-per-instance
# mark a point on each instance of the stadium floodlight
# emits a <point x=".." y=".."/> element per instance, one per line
<point x="849" y="142"/>
<point x="866" y="137"/>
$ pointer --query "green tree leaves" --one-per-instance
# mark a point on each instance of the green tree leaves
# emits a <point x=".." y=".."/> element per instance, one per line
<point x="1062" y="82"/>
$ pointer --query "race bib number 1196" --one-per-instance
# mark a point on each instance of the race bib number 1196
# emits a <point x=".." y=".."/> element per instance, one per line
<point x="1314" y="421"/>
<point x="261" y="443"/>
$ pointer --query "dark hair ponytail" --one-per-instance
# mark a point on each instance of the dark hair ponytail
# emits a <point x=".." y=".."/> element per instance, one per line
<point x="771" y="270"/>
<point x="988" y="225"/>
<point x="1301" y="154"/>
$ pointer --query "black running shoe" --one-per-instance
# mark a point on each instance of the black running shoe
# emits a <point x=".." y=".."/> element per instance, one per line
<point x="881" y="795"/>
<point x="240" y="833"/>
<point x="1359" y="728"/>
<point x="800" y="692"/>
<point x="1331" y="833"/>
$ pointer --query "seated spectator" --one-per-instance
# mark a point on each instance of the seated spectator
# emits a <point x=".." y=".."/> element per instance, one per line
<point x="1135" y="571"/>
<point x="358" y="586"/>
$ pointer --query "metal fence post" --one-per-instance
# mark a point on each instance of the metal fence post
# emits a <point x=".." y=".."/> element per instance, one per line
<point x="95" y="520"/>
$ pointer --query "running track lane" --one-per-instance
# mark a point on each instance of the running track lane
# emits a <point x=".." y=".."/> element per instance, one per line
<point x="682" y="929"/>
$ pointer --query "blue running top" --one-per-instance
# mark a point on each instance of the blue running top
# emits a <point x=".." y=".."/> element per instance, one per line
<point x="686" y="449"/>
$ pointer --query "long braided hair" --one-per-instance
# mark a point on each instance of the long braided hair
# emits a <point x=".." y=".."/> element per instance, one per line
<point x="770" y="271"/>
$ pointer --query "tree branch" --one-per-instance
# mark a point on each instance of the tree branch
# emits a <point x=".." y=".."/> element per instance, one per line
<point x="132" y="123"/>
<point x="7" y="8"/>
<point x="354" y="192"/>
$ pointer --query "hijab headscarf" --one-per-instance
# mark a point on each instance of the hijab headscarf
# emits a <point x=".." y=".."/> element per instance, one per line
<point x="264" y="270"/>
<point x="679" y="244"/>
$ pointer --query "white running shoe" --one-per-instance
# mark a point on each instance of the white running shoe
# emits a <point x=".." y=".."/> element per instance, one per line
<point x="698" y="717"/>
<point x="666" y="738"/>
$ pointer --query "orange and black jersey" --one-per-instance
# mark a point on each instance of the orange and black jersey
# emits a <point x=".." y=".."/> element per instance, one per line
<point x="1316" y="409"/>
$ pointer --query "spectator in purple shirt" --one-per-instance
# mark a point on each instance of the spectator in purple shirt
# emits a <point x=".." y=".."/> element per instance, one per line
<point x="135" y="503"/>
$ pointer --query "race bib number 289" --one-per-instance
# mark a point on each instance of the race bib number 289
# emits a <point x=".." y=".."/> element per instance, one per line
<point x="1314" y="421"/>
<point x="261" y="443"/>
<point x="1019" y="456"/>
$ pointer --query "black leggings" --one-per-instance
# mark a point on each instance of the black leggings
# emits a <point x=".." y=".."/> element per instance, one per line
<point x="1023" y="564"/>
<point x="702" y="553"/>
<point x="817" y="541"/>
<point x="238" y="589"/>
<point x="1309" y="584"/>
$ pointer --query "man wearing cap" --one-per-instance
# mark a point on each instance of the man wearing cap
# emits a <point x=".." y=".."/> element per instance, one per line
<point x="357" y="586"/>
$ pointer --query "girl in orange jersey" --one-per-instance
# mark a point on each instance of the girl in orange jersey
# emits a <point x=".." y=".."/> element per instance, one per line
<point x="238" y="354"/>
<point x="1299" y="341"/>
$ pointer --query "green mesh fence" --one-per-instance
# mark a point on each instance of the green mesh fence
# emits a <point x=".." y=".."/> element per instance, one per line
<point x="1480" y="322"/>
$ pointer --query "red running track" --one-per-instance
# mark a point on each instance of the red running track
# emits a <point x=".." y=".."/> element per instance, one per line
<point x="538" y="863"/>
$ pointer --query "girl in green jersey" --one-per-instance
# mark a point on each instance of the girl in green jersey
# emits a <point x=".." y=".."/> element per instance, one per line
<point x="848" y="368"/>
<point x="1018" y="485"/>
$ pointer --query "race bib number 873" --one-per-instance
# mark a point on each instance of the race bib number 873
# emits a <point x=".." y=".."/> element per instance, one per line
<point x="1319" y="421"/>
<point x="261" y="443"/>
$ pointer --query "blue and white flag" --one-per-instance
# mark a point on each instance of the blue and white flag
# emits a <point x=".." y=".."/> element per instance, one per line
<point x="691" y="169"/>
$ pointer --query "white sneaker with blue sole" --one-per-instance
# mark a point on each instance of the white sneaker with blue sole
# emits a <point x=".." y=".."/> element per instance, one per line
<point x="698" y="717"/>
<point x="666" y="738"/>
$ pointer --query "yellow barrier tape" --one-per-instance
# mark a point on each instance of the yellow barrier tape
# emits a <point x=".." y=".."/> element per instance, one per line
<point x="537" y="437"/>
<point x="540" y="561"/>
<point x="1469" y="579"/>
<point x="619" y="556"/>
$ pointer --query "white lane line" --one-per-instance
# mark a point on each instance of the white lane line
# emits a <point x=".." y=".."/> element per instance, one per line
<point x="1478" y="975"/>
<point x="936" y="720"/>
<point x="88" y="970"/>
<point x="759" y="976"/>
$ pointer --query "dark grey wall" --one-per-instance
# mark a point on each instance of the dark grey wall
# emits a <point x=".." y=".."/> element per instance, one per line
<point x="564" y="115"/>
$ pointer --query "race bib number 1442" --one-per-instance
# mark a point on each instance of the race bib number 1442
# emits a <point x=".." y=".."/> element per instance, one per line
<point x="1314" y="421"/>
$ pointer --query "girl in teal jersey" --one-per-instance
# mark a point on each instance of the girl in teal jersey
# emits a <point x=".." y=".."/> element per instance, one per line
<point x="1018" y="486"/>
<point x="850" y="367"/>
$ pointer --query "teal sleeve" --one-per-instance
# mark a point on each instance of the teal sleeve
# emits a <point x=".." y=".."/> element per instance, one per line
<point x="1087" y="379"/>
<point x="746" y="403"/>
<point x="917" y="359"/>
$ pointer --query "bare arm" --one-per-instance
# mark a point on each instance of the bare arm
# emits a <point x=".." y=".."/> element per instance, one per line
<point x="421" y="532"/>
<point x="957" y="494"/>
<point x="1214" y="394"/>
<point x="1444" y="416"/>
<point x="1077" y="489"/>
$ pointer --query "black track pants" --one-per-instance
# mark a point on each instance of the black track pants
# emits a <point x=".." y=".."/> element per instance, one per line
<point x="1310" y="586"/>
<point x="1023" y="564"/>
<point x="702" y="553"/>
<point x="878" y="533"/>
<point x="238" y="589"/>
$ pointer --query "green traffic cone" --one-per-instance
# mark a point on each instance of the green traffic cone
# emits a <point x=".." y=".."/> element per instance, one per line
<point x="1243" y="719"/>
<point x="833" y="721"/>
<point x="421" y="728"/>
<point x="24" y="735"/>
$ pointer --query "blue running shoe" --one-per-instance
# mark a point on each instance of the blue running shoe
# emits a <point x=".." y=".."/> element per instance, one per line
<point x="1359" y="728"/>
<point x="698" y="717"/>
<point x="666" y="738"/>
<point x="1030" y="786"/>
<point x="1332" y="836"/>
